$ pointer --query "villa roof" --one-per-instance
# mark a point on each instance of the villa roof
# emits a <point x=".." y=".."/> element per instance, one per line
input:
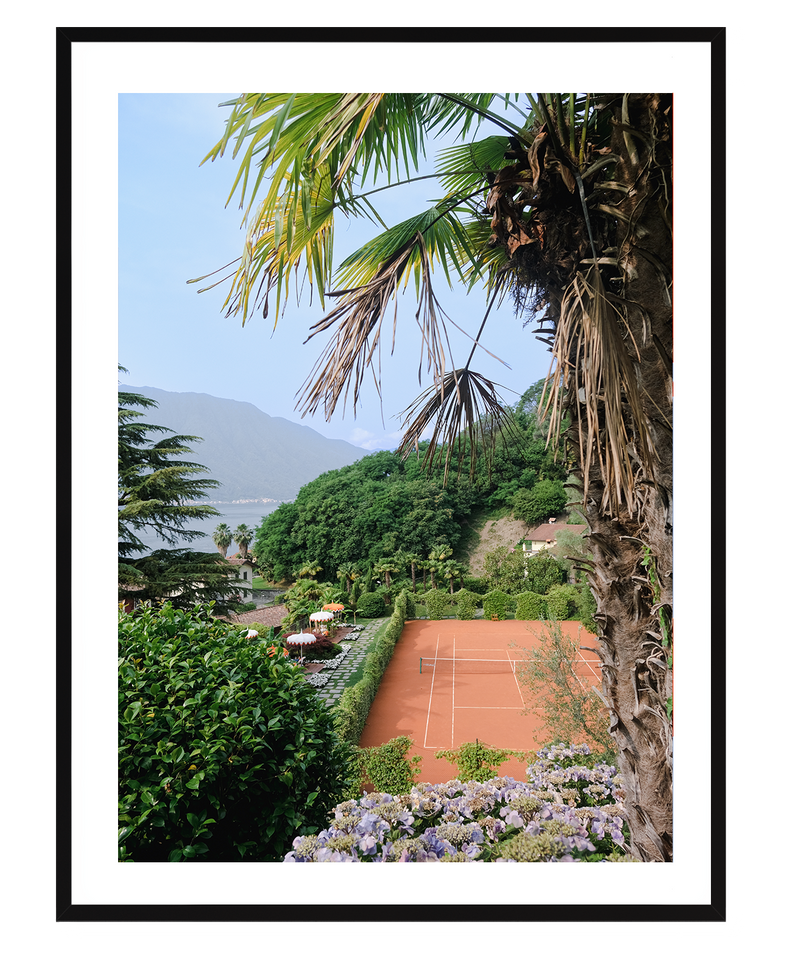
<point x="547" y="532"/>
<point x="239" y="561"/>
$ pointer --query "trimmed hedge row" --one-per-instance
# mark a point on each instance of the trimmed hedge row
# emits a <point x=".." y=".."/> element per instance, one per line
<point x="353" y="708"/>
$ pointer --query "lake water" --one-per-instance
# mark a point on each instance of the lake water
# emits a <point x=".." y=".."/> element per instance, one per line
<point x="231" y="514"/>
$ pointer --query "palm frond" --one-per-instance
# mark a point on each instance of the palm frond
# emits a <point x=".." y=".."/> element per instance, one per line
<point x="591" y="358"/>
<point x="444" y="239"/>
<point x="355" y="344"/>
<point x="307" y="147"/>
<point x="445" y="111"/>
<point x="463" y="168"/>
<point x="466" y="414"/>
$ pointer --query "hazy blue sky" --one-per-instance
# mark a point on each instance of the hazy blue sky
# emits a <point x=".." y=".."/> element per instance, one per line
<point x="173" y="226"/>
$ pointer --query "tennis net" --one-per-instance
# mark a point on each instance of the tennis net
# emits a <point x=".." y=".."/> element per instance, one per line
<point x="469" y="665"/>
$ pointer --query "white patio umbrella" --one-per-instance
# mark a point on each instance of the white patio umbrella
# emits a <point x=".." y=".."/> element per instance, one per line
<point x="300" y="640"/>
<point x="319" y="618"/>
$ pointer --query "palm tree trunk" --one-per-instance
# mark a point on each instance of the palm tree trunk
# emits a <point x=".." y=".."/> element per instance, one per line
<point x="631" y="571"/>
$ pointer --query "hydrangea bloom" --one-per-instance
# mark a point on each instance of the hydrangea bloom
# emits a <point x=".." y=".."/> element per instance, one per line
<point x="565" y="812"/>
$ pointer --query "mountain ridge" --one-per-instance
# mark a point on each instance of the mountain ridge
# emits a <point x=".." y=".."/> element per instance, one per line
<point x="252" y="454"/>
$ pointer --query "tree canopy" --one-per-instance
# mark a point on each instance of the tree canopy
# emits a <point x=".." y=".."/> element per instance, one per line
<point x="158" y="490"/>
<point x="384" y="506"/>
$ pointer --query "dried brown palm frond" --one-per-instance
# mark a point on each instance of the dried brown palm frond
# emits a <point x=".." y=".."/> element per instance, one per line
<point x="354" y="346"/>
<point x="590" y="357"/>
<point x="466" y="415"/>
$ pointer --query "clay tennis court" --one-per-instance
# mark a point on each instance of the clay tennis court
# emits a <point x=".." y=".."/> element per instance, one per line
<point x="441" y="705"/>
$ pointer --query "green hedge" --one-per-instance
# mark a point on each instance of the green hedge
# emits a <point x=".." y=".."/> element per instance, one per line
<point x="438" y="603"/>
<point x="531" y="606"/>
<point x="495" y="603"/>
<point x="225" y="750"/>
<point x="353" y="708"/>
<point x="371" y="604"/>
<point x="562" y="601"/>
<point x="386" y="768"/>
<point x="466" y="603"/>
<point x="587" y="608"/>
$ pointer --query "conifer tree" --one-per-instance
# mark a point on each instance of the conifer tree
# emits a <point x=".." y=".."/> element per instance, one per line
<point x="157" y="491"/>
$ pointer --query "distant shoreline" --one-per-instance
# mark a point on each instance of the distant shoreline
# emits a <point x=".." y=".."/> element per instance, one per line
<point x="243" y="501"/>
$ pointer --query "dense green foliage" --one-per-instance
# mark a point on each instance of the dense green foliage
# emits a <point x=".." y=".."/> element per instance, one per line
<point x="371" y="604"/>
<point x="531" y="606"/>
<point x="495" y="605"/>
<point x="505" y="570"/>
<point x="154" y="485"/>
<point x="545" y="500"/>
<point x="562" y="601"/>
<point x="477" y="761"/>
<point x="587" y="608"/>
<point x="353" y="708"/>
<point x="382" y="514"/>
<point x="543" y="572"/>
<point x="387" y="768"/>
<point x="225" y="751"/>
<point x="466" y="604"/>
<point x="438" y="603"/>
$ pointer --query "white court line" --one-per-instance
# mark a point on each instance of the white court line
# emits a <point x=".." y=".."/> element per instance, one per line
<point x="580" y="659"/>
<point x="513" y="673"/>
<point x="430" y="697"/>
<point x="453" y="707"/>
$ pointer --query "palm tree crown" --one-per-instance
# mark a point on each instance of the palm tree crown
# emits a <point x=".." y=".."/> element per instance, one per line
<point x="222" y="537"/>
<point x="564" y="206"/>
<point x="243" y="536"/>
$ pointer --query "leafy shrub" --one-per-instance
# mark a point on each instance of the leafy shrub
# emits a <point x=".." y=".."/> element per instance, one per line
<point x="531" y="606"/>
<point x="477" y="761"/>
<point x="587" y="608"/>
<point x="562" y="600"/>
<point x="225" y="751"/>
<point x="506" y="570"/>
<point x="478" y="586"/>
<point x="387" y="768"/>
<point x="495" y="603"/>
<point x="466" y="602"/>
<point x="545" y="500"/>
<point x="438" y="603"/>
<point x="353" y="708"/>
<point x="543" y="572"/>
<point x="371" y="604"/>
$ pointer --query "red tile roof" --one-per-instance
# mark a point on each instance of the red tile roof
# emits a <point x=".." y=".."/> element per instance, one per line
<point x="263" y="615"/>
<point x="547" y="532"/>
